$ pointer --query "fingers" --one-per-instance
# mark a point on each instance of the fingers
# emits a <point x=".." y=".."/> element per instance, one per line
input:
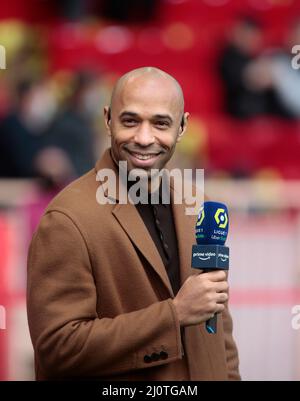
<point x="218" y="275"/>
<point x="218" y="301"/>
<point x="214" y="309"/>
<point x="220" y="308"/>
<point x="222" y="297"/>
<point x="221" y="286"/>
<point x="214" y="280"/>
<point x="201" y="297"/>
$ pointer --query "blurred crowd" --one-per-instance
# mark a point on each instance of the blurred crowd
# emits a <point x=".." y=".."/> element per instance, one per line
<point x="43" y="136"/>
<point x="51" y="125"/>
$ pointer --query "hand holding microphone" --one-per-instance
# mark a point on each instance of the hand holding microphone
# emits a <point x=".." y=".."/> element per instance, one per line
<point x="210" y="253"/>
<point x="202" y="296"/>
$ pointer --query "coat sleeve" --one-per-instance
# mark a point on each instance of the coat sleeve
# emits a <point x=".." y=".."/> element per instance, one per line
<point x="68" y="336"/>
<point x="231" y="351"/>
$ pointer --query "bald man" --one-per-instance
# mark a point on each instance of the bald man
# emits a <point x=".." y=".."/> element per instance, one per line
<point x="111" y="292"/>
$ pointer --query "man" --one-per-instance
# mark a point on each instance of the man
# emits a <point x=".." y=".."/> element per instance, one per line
<point x="243" y="98"/>
<point x="111" y="294"/>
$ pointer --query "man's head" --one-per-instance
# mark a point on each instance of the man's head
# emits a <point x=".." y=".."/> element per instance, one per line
<point x="145" y="118"/>
<point x="293" y="34"/>
<point x="247" y="35"/>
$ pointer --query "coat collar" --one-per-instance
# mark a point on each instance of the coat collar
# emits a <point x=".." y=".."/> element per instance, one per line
<point x="131" y="222"/>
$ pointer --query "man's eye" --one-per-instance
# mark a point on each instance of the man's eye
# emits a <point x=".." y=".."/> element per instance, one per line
<point x="162" y="124"/>
<point x="129" y="122"/>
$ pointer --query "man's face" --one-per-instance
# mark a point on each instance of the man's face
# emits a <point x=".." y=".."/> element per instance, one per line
<point x="145" y="123"/>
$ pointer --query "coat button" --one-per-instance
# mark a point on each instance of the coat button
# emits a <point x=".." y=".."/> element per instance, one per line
<point x="147" y="359"/>
<point x="163" y="355"/>
<point x="155" y="356"/>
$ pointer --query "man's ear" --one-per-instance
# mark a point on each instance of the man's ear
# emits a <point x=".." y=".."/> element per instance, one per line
<point x="107" y="119"/>
<point x="183" y="125"/>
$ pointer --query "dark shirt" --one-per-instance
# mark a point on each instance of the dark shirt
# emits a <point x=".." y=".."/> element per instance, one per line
<point x="18" y="148"/>
<point x="241" y="101"/>
<point x="160" y="223"/>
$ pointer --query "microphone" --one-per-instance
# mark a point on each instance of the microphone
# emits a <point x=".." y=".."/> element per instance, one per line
<point x="210" y="253"/>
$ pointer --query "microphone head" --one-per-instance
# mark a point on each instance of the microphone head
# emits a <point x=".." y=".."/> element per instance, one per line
<point x="212" y="224"/>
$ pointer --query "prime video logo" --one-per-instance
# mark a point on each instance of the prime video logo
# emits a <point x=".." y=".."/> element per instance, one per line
<point x="186" y="190"/>
<point x="209" y="255"/>
<point x="2" y="318"/>
<point x="2" y="58"/>
<point x="204" y="255"/>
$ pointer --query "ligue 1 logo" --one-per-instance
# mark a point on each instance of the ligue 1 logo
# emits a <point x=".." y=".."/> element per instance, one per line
<point x="212" y="223"/>
<point x="200" y="216"/>
<point x="221" y="218"/>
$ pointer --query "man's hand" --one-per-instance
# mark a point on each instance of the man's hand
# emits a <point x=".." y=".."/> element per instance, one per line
<point x="200" y="297"/>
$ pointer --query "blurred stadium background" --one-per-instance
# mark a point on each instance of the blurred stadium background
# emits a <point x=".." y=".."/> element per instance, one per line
<point x="62" y="59"/>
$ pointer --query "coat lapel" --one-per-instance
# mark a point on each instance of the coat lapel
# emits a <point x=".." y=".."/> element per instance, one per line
<point x="133" y="225"/>
<point x="185" y="231"/>
<point x="131" y="222"/>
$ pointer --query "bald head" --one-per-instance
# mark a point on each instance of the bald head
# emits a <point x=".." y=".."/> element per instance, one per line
<point x="154" y="79"/>
<point x="146" y="118"/>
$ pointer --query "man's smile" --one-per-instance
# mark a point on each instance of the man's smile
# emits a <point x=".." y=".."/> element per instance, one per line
<point x="143" y="159"/>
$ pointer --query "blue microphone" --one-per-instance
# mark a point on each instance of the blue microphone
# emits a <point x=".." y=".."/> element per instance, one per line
<point x="210" y="253"/>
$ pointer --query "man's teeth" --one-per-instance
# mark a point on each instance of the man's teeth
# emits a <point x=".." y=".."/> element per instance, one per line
<point x="143" y="157"/>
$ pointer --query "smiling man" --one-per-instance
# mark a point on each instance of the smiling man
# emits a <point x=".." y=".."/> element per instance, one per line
<point x="111" y="292"/>
<point x="146" y="118"/>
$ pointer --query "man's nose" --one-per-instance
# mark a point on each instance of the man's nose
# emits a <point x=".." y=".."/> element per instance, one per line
<point x="144" y="135"/>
